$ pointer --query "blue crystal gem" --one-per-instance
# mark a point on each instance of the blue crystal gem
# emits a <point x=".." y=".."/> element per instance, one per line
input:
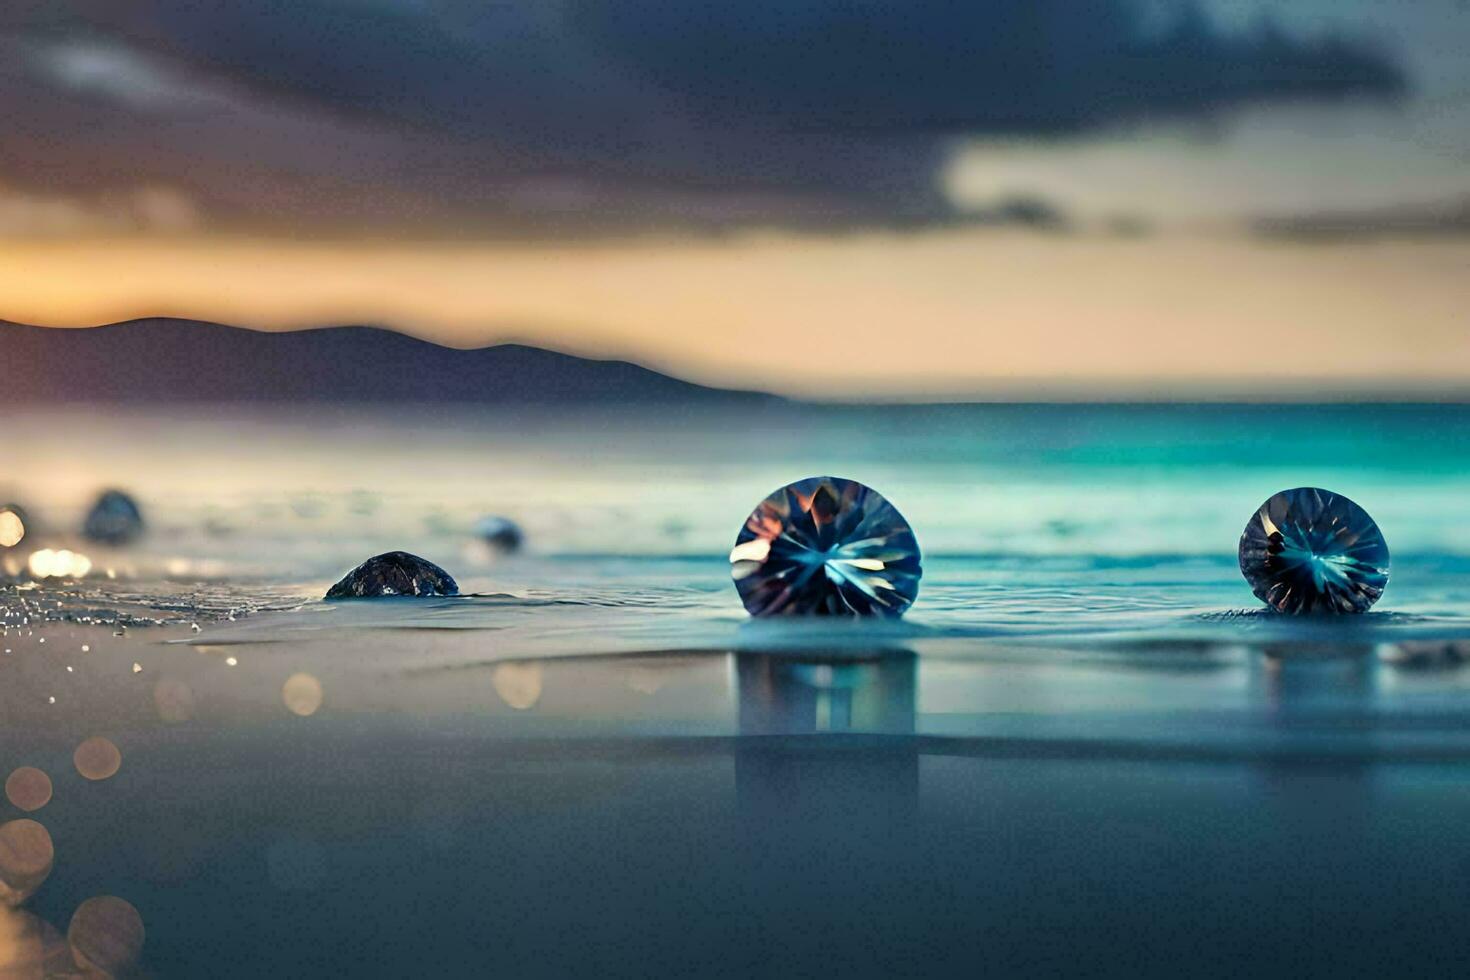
<point x="1313" y="551"/>
<point x="500" y="533"/>
<point x="826" y="547"/>
<point x="114" y="519"/>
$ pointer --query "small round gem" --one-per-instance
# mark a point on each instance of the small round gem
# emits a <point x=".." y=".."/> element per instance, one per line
<point x="1313" y="551"/>
<point x="114" y="519"/>
<point x="826" y="546"/>
<point x="500" y="534"/>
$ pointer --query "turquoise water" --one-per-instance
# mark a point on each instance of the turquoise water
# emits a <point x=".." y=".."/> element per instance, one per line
<point x="1085" y="750"/>
<point x="1032" y="518"/>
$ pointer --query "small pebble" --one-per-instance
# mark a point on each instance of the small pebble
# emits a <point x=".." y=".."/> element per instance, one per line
<point x="396" y="573"/>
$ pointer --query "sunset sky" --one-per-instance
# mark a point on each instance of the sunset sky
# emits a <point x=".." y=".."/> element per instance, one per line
<point x="1005" y="198"/>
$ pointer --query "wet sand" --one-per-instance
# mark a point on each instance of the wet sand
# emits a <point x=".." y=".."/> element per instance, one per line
<point x="315" y="806"/>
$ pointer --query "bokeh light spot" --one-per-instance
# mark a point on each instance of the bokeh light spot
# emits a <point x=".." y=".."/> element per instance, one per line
<point x="106" y="934"/>
<point x="302" y="694"/>
<point x="28" y="788"/>
<point x="47" y="563"/>
<point x="26" y="853"/>
<point x="12" y="529"/>
<point x="31" y="947"/>
<point x="97" y="758"/>
<point x="518" y="685"/>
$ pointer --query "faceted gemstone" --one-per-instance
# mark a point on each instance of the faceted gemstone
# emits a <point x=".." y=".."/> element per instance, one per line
<point x="826" y="546"/>
<point x="1309" y="550"/>
<point x="114" y="519"/>
<point x="392" y="574"/>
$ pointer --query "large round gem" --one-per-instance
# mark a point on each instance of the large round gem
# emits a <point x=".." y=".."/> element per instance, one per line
<point x="1309" y="550"/>
<point x="826" y="546"/>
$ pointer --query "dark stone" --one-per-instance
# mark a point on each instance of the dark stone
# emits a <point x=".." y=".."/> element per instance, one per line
<point x="396" y="573"/>
<point x="114" y="519"/>
<point x="500" y="533"/>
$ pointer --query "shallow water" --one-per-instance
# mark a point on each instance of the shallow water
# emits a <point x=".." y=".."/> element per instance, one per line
<point x="1084" y="751"/>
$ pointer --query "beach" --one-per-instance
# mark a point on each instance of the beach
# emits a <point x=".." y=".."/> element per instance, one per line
<point x="1085" y="731"/>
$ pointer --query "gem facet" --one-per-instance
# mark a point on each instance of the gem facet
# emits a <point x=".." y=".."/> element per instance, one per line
<point x="1313" y="551"/>
<point x="826" y="546"/>
<point x="392" y="574"/>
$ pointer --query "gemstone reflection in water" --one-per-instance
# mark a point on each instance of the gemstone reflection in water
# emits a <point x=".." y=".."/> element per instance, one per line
<point x="826" y="546"/>
<point x="1309" y="550"/>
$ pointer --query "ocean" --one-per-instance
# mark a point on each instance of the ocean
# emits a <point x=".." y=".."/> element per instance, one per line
<point x="1085" y="750"/>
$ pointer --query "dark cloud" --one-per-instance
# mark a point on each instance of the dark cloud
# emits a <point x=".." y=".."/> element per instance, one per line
<point x="566" y="115"/>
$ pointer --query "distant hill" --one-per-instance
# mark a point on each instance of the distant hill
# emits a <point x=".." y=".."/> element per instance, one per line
<point x="186" y="361"/>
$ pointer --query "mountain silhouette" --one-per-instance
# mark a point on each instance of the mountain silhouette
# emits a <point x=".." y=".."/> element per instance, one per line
<point x="186" y="361"/>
